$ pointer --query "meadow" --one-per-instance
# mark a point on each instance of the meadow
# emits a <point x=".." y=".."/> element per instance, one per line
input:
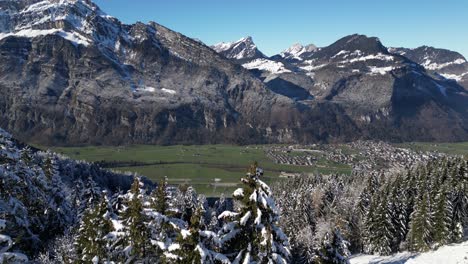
<point x="211" y="169"/>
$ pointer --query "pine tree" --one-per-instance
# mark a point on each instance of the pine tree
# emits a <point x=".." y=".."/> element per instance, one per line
<point x="418" y="237"/>
<point x="252" y="235"/>
<point x="137" y="235"/>
<point x="398" y="211"/>
<point x="195" y="245"/>
<point x="334" y="249"/>
<point x="442" y="217"/>
<point x="380" y="227"/>
<point x="5" y="245"/>
<point x="91" y="242"/>
<point x="160" y="197"/>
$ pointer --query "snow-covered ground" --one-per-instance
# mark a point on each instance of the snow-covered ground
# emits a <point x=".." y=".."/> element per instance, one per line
<point x="452" y="254"/>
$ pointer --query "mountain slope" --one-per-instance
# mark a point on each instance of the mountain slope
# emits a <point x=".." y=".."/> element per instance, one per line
<point x="448" y="64"/>
<point x="80" y="76"/>
<point x="385" y="94"/>
<point x="70" y="74"/>
<point x="241" y="50"/>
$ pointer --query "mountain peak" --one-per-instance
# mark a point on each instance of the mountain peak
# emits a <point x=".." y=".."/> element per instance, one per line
<point x="243" y="50"/>
<point x="296" y="50"/>
<point x="370" y="45"/>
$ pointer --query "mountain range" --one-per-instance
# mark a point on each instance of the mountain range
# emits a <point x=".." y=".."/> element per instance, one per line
<point x="70" y="74"/>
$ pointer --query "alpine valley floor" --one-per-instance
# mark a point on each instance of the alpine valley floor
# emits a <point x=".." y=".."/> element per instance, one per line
<point x="216" y="169"/>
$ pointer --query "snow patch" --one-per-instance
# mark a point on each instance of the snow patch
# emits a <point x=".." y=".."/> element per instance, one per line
<point x="169" y="91"/>
<point x="380" y="70"/>
<point x="266" y="65"/>
<point x="74" y="37"/>
<point x="456" y="77"/>
<point x="451" y="254"/>
<point x="428" y="64"/>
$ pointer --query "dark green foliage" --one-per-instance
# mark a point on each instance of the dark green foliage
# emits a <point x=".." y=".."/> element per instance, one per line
<point x="95" y="225"/>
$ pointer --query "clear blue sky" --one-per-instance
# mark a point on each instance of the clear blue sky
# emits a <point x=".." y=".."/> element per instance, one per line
<point x="275" y="25"/>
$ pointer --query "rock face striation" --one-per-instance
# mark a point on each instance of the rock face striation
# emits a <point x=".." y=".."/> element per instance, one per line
<point x="387" y="93"/>
<point x="71" y="74"/>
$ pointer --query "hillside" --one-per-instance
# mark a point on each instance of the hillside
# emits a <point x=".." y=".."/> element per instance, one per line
<point x="451" y="254"/>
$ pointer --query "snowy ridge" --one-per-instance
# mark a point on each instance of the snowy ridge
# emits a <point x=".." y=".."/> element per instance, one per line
<point x="428" y="64"/>
<point x="296" y="50"/>
<point x="451" y="254"/>
<point x="266" y="65"/>
<point x="456" y="77"/>
<point x="73" y="20"/>
<point x="244" y="48"/>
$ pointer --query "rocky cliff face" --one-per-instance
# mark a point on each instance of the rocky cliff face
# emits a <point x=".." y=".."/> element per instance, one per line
<point x="444" y="63"/>
<point x="70" y="74"/>
<point x="385" y="93"/>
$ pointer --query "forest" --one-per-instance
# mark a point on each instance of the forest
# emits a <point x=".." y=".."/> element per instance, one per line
<point x="57" y="210"/>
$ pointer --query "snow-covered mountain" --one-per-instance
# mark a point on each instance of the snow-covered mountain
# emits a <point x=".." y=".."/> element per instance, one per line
<point x="241" y="50"/>
<point x="296" y="51"/>
<point x="78" y="75"/>
<point x="446" y="63"/>
<point x="356" y="68"/>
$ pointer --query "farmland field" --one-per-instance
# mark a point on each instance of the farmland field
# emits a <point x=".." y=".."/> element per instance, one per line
<point x="211" y="169"/>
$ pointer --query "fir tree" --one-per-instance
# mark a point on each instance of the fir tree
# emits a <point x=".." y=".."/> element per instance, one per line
<point x="252" y="235"/>
<point x="196" y="245"/>
<point x="442" y="217"/>
<point x="418" y="237"/>
<point x="135" y="222"/>
<point x="5" y="245"/>
<point x="334" y="249"/>
<point x="91" y="242"/>
<point x="380" y="226"/>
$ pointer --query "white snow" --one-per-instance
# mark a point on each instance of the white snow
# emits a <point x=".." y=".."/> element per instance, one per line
<point x="227" y="214"/>
<point x="378" y="56"/>
<point x="451" y="254"/>
<point x="380" y="70"/>
<point x="146" y="89"/>
<point x="241" y="52"/>
<point x="428" y="64"/>
<point x="266" y="65"/>
<point x="455" y="77"/>
<point x="341" y="53"/>
<point x="239" y="192"/>
<point x="245" y="218"/>
<point x="169" y="91"/>
<point x="74" y="37"/>
<point x="185" y="233"/>
<point x="296" y="50"/>
<point x="117" y="225"/>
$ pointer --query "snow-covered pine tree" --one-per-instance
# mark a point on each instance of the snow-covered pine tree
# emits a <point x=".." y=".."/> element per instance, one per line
<point x="162" y="227"/>
<point x="459" y="199"/>
<point x="398" y="211"/>
<point x="334" y="249"/>
<point x="5" y="244"/>
<point x="196" y="245"/>
<point x="60" y="215"/>
<point x="88" y="196"/>
<point x="137" y="236"/>
<point x="253" y="235"/>
<point x="442" y="217"/>
<point x="91" y="242"/>
<point x="418" y="237"/>
<point x="160" y="197"/>
<point x="379" y="226"/>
